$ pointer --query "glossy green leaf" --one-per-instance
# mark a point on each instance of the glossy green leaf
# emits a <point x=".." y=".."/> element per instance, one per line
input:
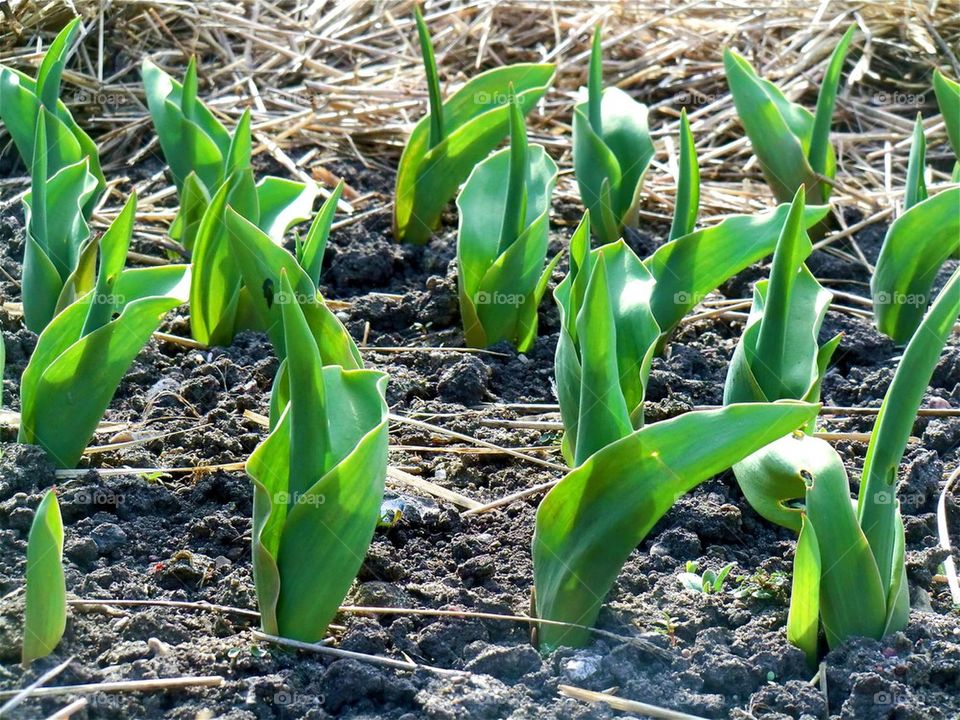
<point x="433" y="80"/>
<point x="915" y="247"/>
<point x="83" y="353"/>
<point x="45" y="613"/>
<point x="604" y="305"/>
<point x="688" y="183"/>
<point x="192" y="139"/>
<point x="688" y="268"/>
<point x="57" y="230"/>
<point x="612" y="150"/>
<point x="876" y="508"/>
<point x="310" y="251"/>
<point x="948" y="98"/>
<point x="803" y="620"/>
<point x="21" y="102"/>
<point x="261" y="261"/>
<point x="777" y="357"/>
<point x="475" y="119"/>
<point x="916" y="190"/>
<point x="820" y="155"/>
<point x="792" y="145"/>
<point x="853" y="600"/>
<point x="502" y="242"/>
<point x="318" y="484"/>
<point x="588" y="524"/>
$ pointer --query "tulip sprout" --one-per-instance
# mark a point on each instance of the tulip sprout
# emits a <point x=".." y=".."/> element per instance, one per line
<point x="502" y="241"/>
<point x="455" y="135"/>
<point x="612" y="150"/>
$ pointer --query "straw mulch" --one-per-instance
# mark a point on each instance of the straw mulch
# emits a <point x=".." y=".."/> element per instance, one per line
<point x="343" y="80"/>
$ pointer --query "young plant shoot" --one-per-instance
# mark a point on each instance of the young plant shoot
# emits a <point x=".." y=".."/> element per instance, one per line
<point x="612" y="150"/>
<point x="916" y="246"/>
<point x="590" y="522"/>
<point x="21" y="100"/>
<point x="688" y="268"/>
<point x="261" y="261"/>
<point x="195" y="144"/>
<point x="607" y="340"/>
<point x="849" y="575"/>
<point x="948" y="98"/>
<point x="688" y="183"/>
<point x="778" y="357"/>
<point x="57" y="233"/>
<point x="83" y="353"/>
<point x="318" y="484"/>
<point x="218" y="308"/>
<point x="455" y="135"/>
<point x="792" y="145"/>
<point x="45" y="609"/>
<point x="502" y="241"/>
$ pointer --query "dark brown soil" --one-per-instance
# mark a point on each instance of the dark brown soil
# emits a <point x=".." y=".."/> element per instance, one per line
<point x="186" y="537"/>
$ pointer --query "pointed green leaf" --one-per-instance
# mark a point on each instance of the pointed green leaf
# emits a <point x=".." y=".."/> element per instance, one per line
<point x="803" y="621"/>
<point x="876" y="507"/>
<point x="588" y="525"/>
<point x="916" y="190"/>
<point x="45" y="616"/>
<point x="915" y="247"/>
<point x="476" y="118"/>
<point x="688" y="184"/>
<point x="948" y="98"/>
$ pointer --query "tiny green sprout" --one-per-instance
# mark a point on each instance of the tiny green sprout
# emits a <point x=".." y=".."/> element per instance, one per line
<point x="391" y="512"/>
<point x="83" y="353"/>
<point x="792" y="145"/>
<point x="708" y="582"/>
<point x="762" y="585"/>
<point x="45" y="616"/>
<point x="455" y="135"/>
<point x="612" y="150"/>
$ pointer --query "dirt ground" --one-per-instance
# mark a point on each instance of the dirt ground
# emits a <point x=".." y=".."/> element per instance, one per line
<point x="136" y="536"/>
